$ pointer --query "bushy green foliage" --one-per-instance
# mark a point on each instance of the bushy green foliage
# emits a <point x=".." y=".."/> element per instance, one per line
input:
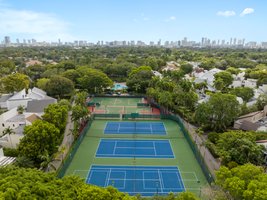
<point x="10" y="152"/>
<point x="56" y="114"/>
<point x="92" y="80"/>
<point x="245" y="93"/>
<point x="218" y="113"/>
<point x="59" y="86"/>
<point x="240" y="147"/>
<point x="21" y="183"/>
<point x="14" y="82"/>
<point x="245" y="182"/>
<point x="40" y="138"/>
<point x="139" y="79"/>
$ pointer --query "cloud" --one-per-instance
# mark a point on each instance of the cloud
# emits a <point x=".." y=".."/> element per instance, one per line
<point x="146" y="19"/>
<point x="35" y="24"/>
<point x="172" y="18"/>
<point x="227" y="13"/>
<point x="247" y="11"/>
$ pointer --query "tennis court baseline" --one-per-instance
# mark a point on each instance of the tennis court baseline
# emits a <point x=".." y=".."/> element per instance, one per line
<point x="134" y="148"/>
<point x="157" y="128"/>
<point x="144" y="180"/>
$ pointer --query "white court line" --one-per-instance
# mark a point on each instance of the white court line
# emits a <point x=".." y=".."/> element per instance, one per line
<point x="107" y="177"/>
<point x="114" y="179"/>
<point x="132" y="155"/>
<point x="160" y="180"/>
<point x="154" y="146"/>
<point x="194" y="174"/>
<point x="135" y="147"/>
<point x="114" y="149"/>
<point x="98" y="147"/>
<point x="147" y="168"/>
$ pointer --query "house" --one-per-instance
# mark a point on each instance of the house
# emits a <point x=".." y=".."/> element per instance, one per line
<point x="16" y="122"/>
<point x="254" y="121"/>
<point x="171" y="66"/>
<point x="22" y="98"/>
<point x="206" y="76"/>
<point x="251" y="83"/>
<point x="35" y="101"/>
<point x="3" y="100"/>
<point x="5" y="160"/>
<point x="33" y="62"/>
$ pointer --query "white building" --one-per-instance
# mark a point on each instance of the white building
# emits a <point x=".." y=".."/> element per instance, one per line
<point x="5" y="160"/>
<point x="207" y="76"/>
<point x="34" y="102"/>
<point x="23" y="97"/>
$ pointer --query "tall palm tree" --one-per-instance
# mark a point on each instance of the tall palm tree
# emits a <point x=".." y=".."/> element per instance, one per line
<point x="8" y="131"/>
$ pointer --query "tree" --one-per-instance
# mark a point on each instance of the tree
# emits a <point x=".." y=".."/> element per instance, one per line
<point x="240" y="147"/>
<point x="139" y="79"/>
<point x="223" y="80"/>
<point x="56" y="114"/>
<point x="186" y="68"/>
<point x="15" y="82"/>
<point x="6" y="67"/>
<point x="72" y="74"/>
<point x="41" y="83"/>
<point x="165" y="99"/>
<point x="22" y="183"/>
<point x="79" y="113"/>
<point x="262" y="101"/>
<point x="219" y="112"/>
<point x="245" y="182"/>
<point x="92" y="80"/>
<point x="40" y="137"/>
<point x="59" y="86"/>
<point x="245" y="93"/>
<point x="8" y="131"/>
<point x="80" y="98"/>
<point x="186" y="196"/>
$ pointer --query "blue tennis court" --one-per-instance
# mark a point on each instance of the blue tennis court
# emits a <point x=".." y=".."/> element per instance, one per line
<point x="156" y="128"/>
<point x="143" y="180"/>
<point x="134" y="148"/>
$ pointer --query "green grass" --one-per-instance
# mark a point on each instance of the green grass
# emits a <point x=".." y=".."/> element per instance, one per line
<point x="191" y="172"/>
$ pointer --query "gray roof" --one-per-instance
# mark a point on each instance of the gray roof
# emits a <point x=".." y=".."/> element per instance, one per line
<point x="4" y="98"/>
<point x="38" y="106"/>
<point x="249" y="126"/>
<point x="17" y="118"/>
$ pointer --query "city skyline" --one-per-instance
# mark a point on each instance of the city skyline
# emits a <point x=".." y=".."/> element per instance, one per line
<point x="106" y="20"/>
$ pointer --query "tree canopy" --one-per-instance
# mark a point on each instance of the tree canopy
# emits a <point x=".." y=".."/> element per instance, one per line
<point x="93" y="80"/>
<point x="139" y="79"/>
<point x="245" y="182"/>
<point x="219" y="112"/>
<point x="59" y="86"/>
<point x="21" y="183"/>
<point x="15" y="82"/>
<point x="240" y="147"/>
<point x="40" y="138"/>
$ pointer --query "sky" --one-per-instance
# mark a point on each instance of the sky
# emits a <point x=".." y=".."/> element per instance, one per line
<point x="146" y="20"/>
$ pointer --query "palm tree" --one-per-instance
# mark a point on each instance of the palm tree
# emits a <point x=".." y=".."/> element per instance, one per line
<point x="8" y="131"/>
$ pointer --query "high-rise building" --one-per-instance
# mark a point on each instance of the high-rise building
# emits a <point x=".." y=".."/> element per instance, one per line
<point x="159" y="42"/>
<point x="7" y="40"/>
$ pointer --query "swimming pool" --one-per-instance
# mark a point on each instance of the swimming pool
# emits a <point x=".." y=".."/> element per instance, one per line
<point x="119" y="86"/>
